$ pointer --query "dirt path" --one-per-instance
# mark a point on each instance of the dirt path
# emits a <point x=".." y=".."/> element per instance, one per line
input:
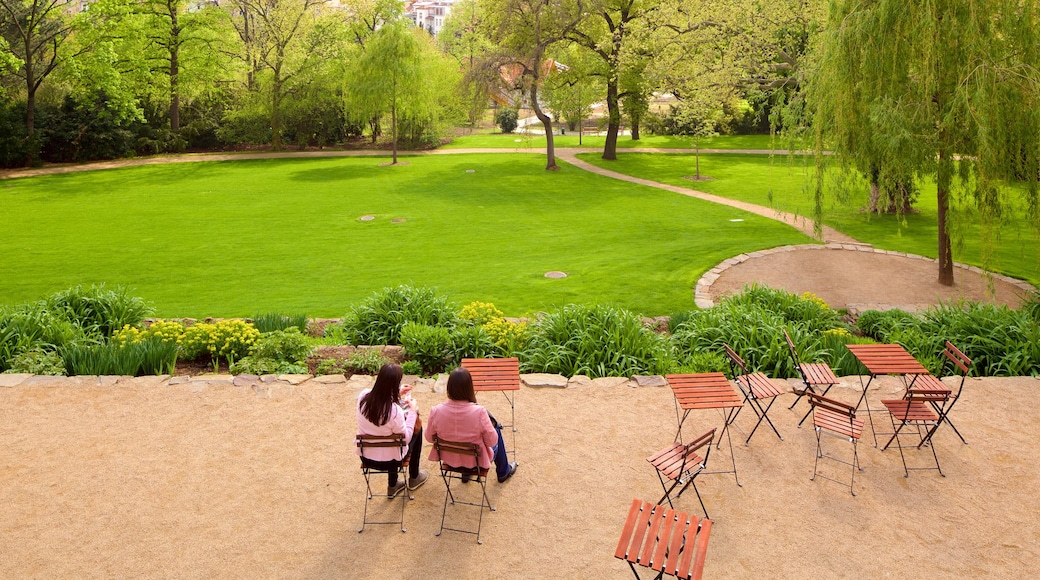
<point x="144" y="479"/>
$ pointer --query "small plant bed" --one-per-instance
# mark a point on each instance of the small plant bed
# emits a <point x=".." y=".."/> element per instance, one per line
<point x="96" y="331"/>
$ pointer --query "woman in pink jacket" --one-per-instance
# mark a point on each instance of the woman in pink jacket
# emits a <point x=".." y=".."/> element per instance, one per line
<point x="461" y="419"/>
<point x="380" y="412"/>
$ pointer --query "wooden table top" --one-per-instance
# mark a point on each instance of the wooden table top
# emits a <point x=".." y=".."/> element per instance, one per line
<point x="887" y="359"/>
<point x="704" y="391"/>
<point x="493" y="374"/>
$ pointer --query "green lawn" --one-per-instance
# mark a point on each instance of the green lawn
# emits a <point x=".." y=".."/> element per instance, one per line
<point x="786" y="183"/>
<point x="500" y="140"/>
<point x="240" y="237"/>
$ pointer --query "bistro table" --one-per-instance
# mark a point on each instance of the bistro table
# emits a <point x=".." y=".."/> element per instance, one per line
<point x="497" y="374"/>
<point x="885" y="359"/>
<point x="707" y="391"/>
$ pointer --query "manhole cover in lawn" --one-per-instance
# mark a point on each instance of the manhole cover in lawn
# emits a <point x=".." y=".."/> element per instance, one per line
<point x="367" y="218"/>
<point x="397" y="221"/>
<point x="556" y="274"/>
<point x="471" y="171"/>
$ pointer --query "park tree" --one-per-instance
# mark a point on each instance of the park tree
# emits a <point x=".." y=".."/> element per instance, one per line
<point x="36" y="32"/>
<point x="465" y="38"/>
<point x="524" y="32"/>
<point x="401" y="74"/>
<point x="571" y="92"/>
<point x="943" y="90"/>
<point x="367" y="16"/>
<point x="607" y="32"/>
<point x="285" y="40"/>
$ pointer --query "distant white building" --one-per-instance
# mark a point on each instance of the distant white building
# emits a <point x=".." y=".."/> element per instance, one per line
<point x="430" y="14"/>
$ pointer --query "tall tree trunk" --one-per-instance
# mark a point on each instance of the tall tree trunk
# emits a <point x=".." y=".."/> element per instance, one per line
<point x="875" y="190"/>
<point x="276" y="111"/>
<point x="635" y="127"/>
<point x="550" y="143"/>
<point x="175" y="49"/>
<point x="944" y="177"/>
<point x="614" y="120"/>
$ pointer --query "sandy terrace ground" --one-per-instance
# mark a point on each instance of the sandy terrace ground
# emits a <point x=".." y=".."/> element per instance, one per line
<point x="198" y="480"/>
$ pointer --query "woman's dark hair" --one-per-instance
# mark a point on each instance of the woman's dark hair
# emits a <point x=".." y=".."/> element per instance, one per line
<point x="386" y="391"/>
<point x="460" y="386"/>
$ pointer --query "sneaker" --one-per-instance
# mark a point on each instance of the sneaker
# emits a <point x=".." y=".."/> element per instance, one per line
<point x="392" y="491"/>
<point x="416" y="482"/>
<point x="512" y="470"/>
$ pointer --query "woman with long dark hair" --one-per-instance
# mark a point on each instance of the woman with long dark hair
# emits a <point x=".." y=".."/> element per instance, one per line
<point x="461" y="419"/>
<point x="381" y="412"/>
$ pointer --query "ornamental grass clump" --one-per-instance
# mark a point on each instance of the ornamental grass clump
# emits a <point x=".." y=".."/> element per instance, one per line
<point x="597" y="341"/>
<point x="272" y="321"/>
<point x="380" y="318"/>
<point x="99" y="310"/>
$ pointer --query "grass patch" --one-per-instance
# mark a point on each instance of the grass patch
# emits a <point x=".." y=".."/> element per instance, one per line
<point x="786" y="183"/>
<point x="536" y="142"/>
<point x="284" y="235"/>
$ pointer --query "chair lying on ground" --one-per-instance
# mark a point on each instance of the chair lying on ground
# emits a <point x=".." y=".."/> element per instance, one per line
<point x="756" y="388"/>
<point x="680" y="465"/>
<point x="813" y="376"/>
<point x="839" y="420"/>
<point x="916" y="410"/>
<point x="397" y="440"/>
<point x="451" y="451"/>
<point x="954" y="362"/>
<point x="664" y="540"/>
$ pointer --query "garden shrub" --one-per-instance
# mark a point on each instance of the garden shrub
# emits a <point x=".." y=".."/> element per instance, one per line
<point x="702" y="362"/>
<point x="34" y="325"/>
<point x="430" y="346"/>
<point x="880" y="324"/>
<point x="380" y="318"/>
<point x="37" y="361"/>
<point x="507" y="337"/>
<point x="195" y="341"/>
<point x="479" y="313"/>
<point x="366" y="361"/>
<point x="230" y="340"/>
<point x="676" y="319"/>
<point x="280" y="351"/>
<point x="411" y="367"/>
<point x="507" y="119"/>
<point x="597" y="341"/>
<point x="98" y="310"/>
<point x="471" y="342"/>
<point x="169" y="331"/>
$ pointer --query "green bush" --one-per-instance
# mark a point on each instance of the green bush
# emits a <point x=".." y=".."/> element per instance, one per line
<point x="272" y="321"/>
<point x="807" y="310"/>
<point x="880" y="324"/>
<point x="37" y="361"/>
<point x="703" y="362"/>
<point x="597" y="341"/>
<point x="677" y="318"/>
<point x="411" y="367"/>
<point x="99" y="310"/>
<point x="430" y="346"/>
<point x="34" y="326"/>
<point x="380" y="318"/>
<point x="471" y="342"/>
<point x="362" y="361"/>
<point x="228" y="339"/>
<point x="281" y="351"/>
<point x="507" y="119"/>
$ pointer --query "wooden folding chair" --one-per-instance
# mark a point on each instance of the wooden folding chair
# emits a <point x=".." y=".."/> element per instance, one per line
<point x="839" y="420"/>
<point x="680" y="464"/>
<point x="397" y="440"/>
<point x="664" y="540"/>
<point x="451" y="472"/>
<point x="756" y="388"/>
<point x="955" y="362"/>
<point x="497" y="374"/>
<point x="813" y="375"/>
<point x="918" y="411"/>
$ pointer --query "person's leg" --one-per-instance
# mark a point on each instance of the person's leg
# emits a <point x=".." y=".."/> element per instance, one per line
<point x="415" y="454"/>
<point x="501" y="459"/>
<point x="391" y="468"/>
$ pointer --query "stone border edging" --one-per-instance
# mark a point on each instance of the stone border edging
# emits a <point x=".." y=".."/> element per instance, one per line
<point x="702" y="298"/>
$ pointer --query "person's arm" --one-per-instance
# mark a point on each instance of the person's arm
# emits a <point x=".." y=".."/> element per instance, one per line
<point x="430" y="429"/>
<point x="400" y="424"/>
<point x="487" y="430"/>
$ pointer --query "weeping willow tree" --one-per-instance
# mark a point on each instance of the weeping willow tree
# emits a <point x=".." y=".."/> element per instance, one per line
<point x="946" y="89"/>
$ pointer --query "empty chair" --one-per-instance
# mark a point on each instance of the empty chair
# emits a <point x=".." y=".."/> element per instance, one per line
<point x="453" y="450"/>
<point x="838" y="420"/>
<point x="364" y="442"/>
<point x="756" y="388"/>
<point x="954" y="362"/>
<point x="680" y="464"/>
<point x="664" y="540"/>
<point x="916" y="413"/>
<point x="813" y="376"/>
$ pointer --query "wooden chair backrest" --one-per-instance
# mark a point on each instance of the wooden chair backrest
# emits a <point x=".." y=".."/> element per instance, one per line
<point x="958" y="358"/>
<point x="493" y="374"/>
<point x="458" y="447"/>
<point x="394" y="440"/>
<point x="831" y="405"/>
<point x="790" y="346"/>
<point x="735" y="360"/>
<point x="695" y="445"/>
